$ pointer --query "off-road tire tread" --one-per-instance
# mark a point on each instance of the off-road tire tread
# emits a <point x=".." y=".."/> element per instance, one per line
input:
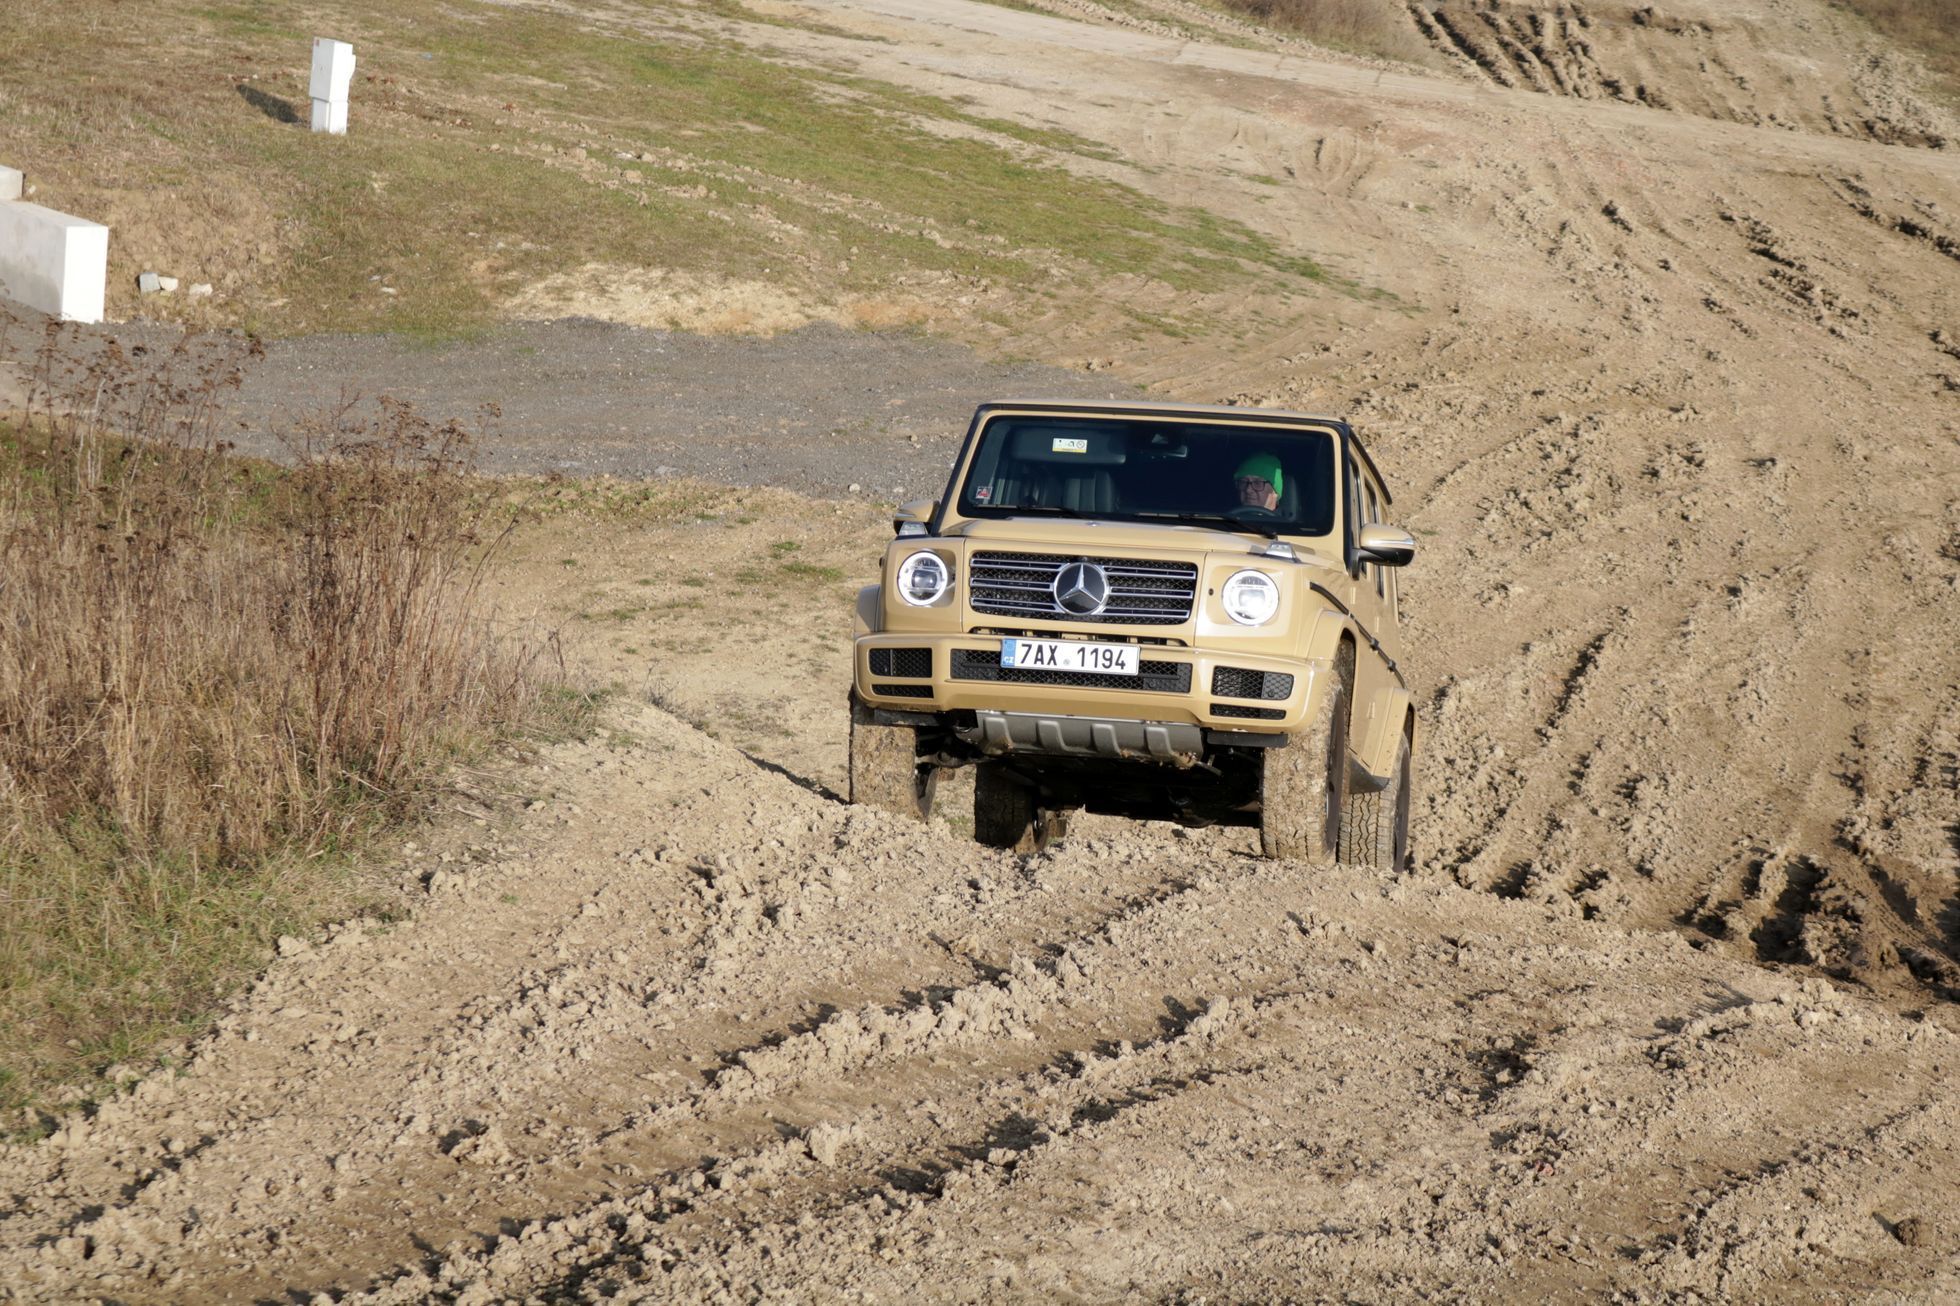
<point x="1006" y="813"/>
<point x="1293" y="787"/>
<point x="1374" y="825"/>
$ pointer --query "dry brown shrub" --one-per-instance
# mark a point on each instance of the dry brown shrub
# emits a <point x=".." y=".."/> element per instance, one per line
<point x="211" y="668"/>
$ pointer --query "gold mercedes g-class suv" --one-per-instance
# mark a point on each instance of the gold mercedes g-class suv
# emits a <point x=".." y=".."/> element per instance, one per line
<point x="1162" y="611"/>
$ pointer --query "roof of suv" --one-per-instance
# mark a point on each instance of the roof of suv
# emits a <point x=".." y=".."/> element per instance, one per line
<point x="1158" y="406"/>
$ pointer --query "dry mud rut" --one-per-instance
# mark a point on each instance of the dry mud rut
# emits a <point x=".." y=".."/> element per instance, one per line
<point x="1666" y="1011"/>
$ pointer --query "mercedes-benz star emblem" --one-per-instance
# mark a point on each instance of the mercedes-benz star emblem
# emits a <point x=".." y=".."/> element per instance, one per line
<point x="1082" y="588"/>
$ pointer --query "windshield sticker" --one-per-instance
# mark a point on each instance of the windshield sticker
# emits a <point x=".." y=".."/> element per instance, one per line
<point x="1062" y="445"/>
<point x="982" y="493"/>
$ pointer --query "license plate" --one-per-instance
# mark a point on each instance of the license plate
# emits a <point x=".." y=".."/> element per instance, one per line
<point x="1069" y="655"/>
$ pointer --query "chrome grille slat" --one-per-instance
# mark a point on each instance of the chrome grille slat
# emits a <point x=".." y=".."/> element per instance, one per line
<point x="1141" y="592"/>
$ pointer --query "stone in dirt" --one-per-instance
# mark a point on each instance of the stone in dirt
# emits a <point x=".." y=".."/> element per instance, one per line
<point x="149" y="283"/>
<point x="824" y="1141"/>
<point x="477" y="1144"/>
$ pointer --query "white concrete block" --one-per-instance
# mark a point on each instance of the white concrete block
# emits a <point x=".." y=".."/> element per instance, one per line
<point x="333" y="69"/>
<point x="52" y="262"/>
<point x="10" y="182"/>
<point x="330" y="116"/>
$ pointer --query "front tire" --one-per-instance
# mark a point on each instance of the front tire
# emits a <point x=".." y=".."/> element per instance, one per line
<point x="1007" y="812"/>
<point x="1304" y="785"/>
<point x="885" y="769"/>
<point x="1375" y="826"/>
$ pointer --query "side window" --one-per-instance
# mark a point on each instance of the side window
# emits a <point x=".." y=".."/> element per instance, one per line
<point x="1352" y="516"/>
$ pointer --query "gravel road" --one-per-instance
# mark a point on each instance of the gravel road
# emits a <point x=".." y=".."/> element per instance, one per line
<point x="816" y="410"/>
<point x="819" y="409"/>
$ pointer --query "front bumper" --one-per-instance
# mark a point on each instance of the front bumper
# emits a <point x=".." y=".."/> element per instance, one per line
<point x="942" y="673"/>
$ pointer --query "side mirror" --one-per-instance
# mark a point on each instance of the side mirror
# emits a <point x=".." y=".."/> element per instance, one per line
<point x="1391" y="546"/>
<point x="911" y="518"/>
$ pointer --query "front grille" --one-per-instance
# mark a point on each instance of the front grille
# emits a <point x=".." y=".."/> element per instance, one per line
<point x="912" y="663"/>
<point x="1029" y="632"/>
<point x="1142" y="591"/>
<point x="1251" y="713"/>
<point x="1152" y="674"/>
<point x="903" y="691"/>
<point x="1240" y="682"/>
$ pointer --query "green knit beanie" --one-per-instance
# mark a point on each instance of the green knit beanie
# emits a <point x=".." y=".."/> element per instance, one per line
<point x="1265" y="466"/>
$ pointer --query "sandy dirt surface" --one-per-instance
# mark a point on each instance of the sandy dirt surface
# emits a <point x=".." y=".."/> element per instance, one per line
<point x="1666" y="1011"/>
<point x="680" y="1027"/>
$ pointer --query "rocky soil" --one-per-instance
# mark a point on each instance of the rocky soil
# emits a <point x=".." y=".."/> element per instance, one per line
<point x="680" y="1026"/>
<point x="1670" y="394"/>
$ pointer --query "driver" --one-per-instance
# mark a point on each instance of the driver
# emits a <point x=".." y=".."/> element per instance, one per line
<point x="1257" y="482"/>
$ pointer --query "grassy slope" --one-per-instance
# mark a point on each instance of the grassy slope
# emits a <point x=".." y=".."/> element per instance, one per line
<point x="494" y="145"/>
<point x="208" y="720"/>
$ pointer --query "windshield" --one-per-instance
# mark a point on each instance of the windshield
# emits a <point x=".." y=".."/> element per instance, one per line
<point x="1254" y="478"/>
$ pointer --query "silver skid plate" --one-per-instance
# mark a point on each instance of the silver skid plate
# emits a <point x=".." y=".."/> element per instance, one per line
<point x="1086" y="736"/>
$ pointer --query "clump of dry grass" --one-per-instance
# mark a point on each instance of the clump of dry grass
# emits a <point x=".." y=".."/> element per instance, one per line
<point x="211" y="671"/>
<point x="1375" y="27"/>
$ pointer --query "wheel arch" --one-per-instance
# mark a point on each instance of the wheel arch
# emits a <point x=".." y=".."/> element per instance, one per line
<point x="866" y="616"/>
<point x="1373" y="726"/>
<point x="1374" y="745"/>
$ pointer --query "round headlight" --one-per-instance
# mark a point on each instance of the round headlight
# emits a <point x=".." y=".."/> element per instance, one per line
<point x="923" y="578"/>
<point x="1251" y="598"/>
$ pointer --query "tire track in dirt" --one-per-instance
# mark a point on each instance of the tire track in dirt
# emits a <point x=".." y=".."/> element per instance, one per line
<point x="1714" y="66"/>
<point x="594" y="1032"/>
<point x="693" y="1218"/>
<point x="1523" y="1102"/>
<point x="1923" y="226"/>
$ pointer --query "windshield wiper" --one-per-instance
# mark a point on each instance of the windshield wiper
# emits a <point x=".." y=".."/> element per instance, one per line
<point x="1046" y="511"/>
<point x="1183" y="518"/>
<point x="1216" y="519"/>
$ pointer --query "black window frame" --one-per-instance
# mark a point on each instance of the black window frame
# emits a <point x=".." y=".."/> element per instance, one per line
<point x="1330" y="428"/>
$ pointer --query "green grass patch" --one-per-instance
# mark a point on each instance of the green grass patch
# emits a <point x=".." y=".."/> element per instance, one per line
<point x="462" y="179"/>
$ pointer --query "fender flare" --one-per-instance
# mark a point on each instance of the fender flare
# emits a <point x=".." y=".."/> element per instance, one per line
<point x="1375" y="753"/>
<point x="865" y="618"/>
<point x="1319" y="646"/>
<point x="1323" y="636"/>
<point x="1372" y="727"/>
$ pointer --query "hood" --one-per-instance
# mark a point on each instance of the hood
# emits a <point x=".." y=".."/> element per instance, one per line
<point x="1071" y="535"/>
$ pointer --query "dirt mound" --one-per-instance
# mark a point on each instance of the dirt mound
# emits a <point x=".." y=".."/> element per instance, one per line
<point x="751" y="1039"/>
<point x="1702" y="59"/>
